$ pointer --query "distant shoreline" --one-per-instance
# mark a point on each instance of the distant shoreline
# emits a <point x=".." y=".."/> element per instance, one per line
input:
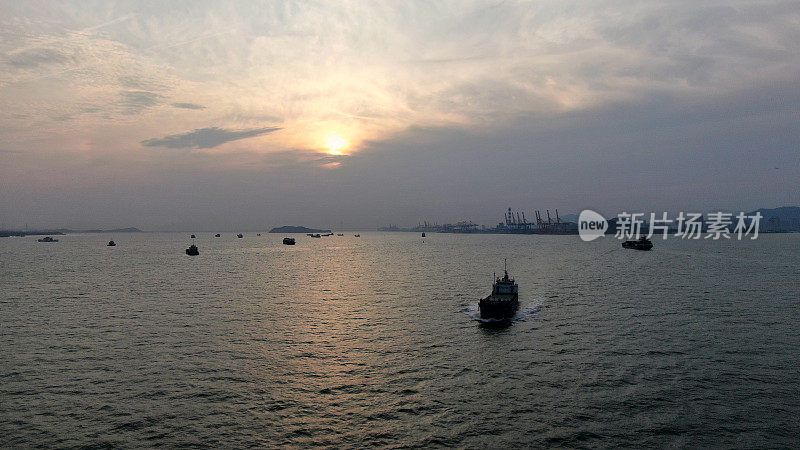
<point x="63" y="231"/>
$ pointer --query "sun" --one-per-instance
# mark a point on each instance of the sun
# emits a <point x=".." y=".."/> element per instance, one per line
<point x="335" y="144"/>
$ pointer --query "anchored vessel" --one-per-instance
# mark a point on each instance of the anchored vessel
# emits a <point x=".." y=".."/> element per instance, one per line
<point x="192" y="250"/>
<point x="47" y="239"/>
<point x="288" y="241"/>
<point x="111" y="244"/>
<point x="640" y="244"/>
<point x="239" y="235"/>
<point x="503" y="301"/>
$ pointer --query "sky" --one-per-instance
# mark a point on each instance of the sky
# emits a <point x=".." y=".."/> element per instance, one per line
<point x="247" y="115"/>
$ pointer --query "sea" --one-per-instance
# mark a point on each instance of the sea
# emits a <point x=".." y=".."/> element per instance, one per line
<point x="377" y="341"/>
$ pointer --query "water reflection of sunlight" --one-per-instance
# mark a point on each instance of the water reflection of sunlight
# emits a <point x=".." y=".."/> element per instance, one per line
<point x="326" y="307"/>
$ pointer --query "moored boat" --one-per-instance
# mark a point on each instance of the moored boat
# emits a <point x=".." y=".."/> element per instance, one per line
<point x="288" y="241"/>
<point x="503" y="302"/>
<point x="111" y="244"/>
<point x="640" y="244"/>
<point x="240" y="235"/>
<point x="192" y="250"/>
<point x="47" y="239"/>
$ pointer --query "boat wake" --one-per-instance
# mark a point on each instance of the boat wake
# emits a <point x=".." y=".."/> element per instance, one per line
<point x="528" y="310"/>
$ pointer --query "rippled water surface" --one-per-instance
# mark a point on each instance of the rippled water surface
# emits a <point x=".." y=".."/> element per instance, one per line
<point x="346" y="342"/>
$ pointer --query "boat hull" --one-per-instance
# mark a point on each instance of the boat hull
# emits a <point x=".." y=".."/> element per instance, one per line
<point x="637" y="245"/>
<point x="499" y="306"/>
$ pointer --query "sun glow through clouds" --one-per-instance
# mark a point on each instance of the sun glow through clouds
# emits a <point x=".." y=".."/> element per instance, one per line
<point x="335" y="144"/>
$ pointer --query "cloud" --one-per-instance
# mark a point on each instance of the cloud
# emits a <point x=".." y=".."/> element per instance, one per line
<point x="206" y="137"/>
<point x="188" y="105"/>
<point x="32" y="58"/>
<point x="136" y="101"/>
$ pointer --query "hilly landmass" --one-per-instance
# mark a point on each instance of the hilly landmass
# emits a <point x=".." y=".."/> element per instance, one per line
<point x="297" y="229"/>
<point x="785" y="219"/>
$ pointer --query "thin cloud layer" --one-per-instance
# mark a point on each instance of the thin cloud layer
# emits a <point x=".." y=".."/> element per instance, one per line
<point x="206" y="138"/>
<point x="32" y="58"/>
<point x="188" y="105"/>
<point x="136" y="101"/>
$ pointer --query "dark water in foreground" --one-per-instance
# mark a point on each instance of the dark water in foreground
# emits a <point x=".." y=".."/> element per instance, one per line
<point x="348" y="342"/>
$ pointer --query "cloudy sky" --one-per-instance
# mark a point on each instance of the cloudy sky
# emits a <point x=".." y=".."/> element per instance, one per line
<point x="247" y="115"/>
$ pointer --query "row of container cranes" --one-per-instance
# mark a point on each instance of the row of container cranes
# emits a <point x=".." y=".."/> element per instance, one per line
<point x="514" y="223"/>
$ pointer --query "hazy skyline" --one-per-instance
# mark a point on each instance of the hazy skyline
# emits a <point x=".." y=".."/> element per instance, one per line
<point x="246" y="115"/>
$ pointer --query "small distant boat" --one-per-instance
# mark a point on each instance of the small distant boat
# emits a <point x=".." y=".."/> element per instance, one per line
<point x="423" y="234"/>
<point x="193" y="236"/>
<point x="240" y="235"/>
<point x="356" y="235"/>
<point x="216" y="235"/>
<point x="315" y="235"/>
<point x="640" y="244"/>
<point x="340" y="234"/>
<point x="288" y="241"/>
<point x="258" y="234"/>
<point x="192" y="250"/>
<point x="111" y="244"/>
<point x="47" y="239"/>
<point x="504" y="299"/>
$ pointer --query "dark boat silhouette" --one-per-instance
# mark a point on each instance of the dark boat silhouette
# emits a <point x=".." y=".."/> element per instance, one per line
<point x="288" y="241"/>
<point x="640" y="244"/>
<point x="192" y="250"/>
<point x="216" y="235"/>
<point x="503" y="302"/>
<point x="47" y="239"/>
<point x="111" y="244"/>
<point x="240" y="235"/>
<point x="423" y="234"/>
<point x="193" y="236"/>
<point x="356" y="235"/>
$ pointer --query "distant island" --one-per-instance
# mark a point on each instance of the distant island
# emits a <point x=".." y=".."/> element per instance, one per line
<point x="297" y="229"/>
<point x="785" y="219"/>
